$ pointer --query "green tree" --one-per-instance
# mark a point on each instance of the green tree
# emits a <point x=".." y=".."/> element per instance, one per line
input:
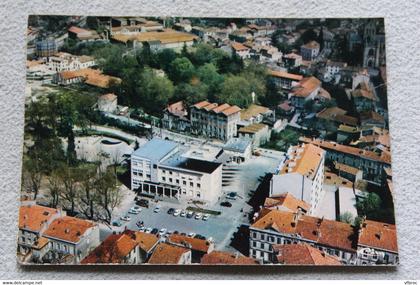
<point x="190" y="94"/>
<point x="181" y="70"/>
<point x="209" y="75"/>
<point x="347" y="217"/>
<point x="165" y="58"/>
<point x="369" y="205"/>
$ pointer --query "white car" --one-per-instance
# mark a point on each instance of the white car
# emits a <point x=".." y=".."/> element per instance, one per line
<point x="162" y="231"/>
<point x="191" y="234"/>
<point x="125" y="218"/>
<point x="177" y="212"/>
<point x="206" y="217"/>
<point x="134" y="210"/>
<point x="183" y="213"/>
<point x="148" y="230"/>
<point x="157" y="209"/>
<point x="198" y="216"/>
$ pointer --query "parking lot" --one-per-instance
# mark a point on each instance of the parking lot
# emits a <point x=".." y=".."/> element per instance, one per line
<point x="239" y="178"/>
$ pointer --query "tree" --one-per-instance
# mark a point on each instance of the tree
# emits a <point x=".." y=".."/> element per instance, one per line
<point x="54" y="188"/>
<point x="109" y="196"/>
<point x="308" y="36"/>
<point x="181" y="70"/>
<point x="209" y="75"/>
<point x="347" y="217"/>
<point x="369" y="205"/>
<point x="88" y="193"/>
<point x="165" y="58"/>
<point x="70" y="179"/>
<point x="190" y="94"/>
<point x="32" y="175"/>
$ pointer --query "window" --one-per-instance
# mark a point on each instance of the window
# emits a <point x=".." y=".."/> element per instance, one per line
<point x="198" y="185"/>
<point x="191" y="184"/>
<point x="164" y="171"/>
<point x="163" y="178"/>
<point x="170" y="179"/>
<point x="198" y="195"/>
<point x="184" y="182"/>
<point x="170" y="172"/>
<point x="154" y="166"/>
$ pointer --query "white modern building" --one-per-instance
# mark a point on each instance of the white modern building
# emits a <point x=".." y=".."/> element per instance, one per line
<point x="302" y="174"/>
<point x="68" y="62"/>
<point x="159" y="168"/>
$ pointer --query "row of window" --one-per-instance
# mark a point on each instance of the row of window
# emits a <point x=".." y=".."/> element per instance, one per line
<point x="171" y="180"/>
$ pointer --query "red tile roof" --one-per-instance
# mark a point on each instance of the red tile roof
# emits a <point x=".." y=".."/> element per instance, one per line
<point x="378" y="235"/>
<point x="306" y="86"/>
<point x="114" y="249"/>
<point x="239" y="47"/>
<point x="146" y="241"/>
<point x="303" y="254"/>
<point x="68" y="229"/>
<point x="167" y="254"/>
<point x="34" y="217"/>
<point x="222" y="257"/>
<point x="283" y="74"/>
<point x="189" y="242"/>
<point x="288" y="201"/>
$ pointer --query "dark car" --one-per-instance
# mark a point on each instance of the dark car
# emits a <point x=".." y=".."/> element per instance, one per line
<point x="200" y="237"/>
<point x="171" y="211"/>
<point x="190" y="214"/>
<point x="183" y="234"/>
<point x="154" y="231"/>
<point x="226" y="204"/>
<point x="143" y="203"/>
<point x="176" y="232"/>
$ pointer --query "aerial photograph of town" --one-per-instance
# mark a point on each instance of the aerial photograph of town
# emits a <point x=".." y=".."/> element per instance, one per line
<point x="212" y="141"/>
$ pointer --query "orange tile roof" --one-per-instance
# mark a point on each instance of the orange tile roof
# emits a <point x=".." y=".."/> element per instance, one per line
<point x="253" y="128"/>
<point x="92" y="77"/>
<point x="306" y="86"/>
<point x="34" y="217"/>
<point x="167" y="254"/>
<point x="166" y="36"/>
<point x="368" y="94"/>
<point x="231" y="110"/>
<point x="221" y="108"/>
<point x="222" y="257"/>
<point x="345" y="168"/>
<point x="322" y="231"/>
<point x="77" y="30"/>
<point x="337" y="115"/>
<point x="113" y="249"/>
<point x="304" y="159"/>
<point x="283" y="74"/>
<point x="239" y="47"/>
<point x="210" y="106"/>
<point x="68" y="229"/>
<point x="40" y="243"/>
<point x="288" y="201"/>
<point x="201" y="104"/>
<point x="146" y="241"/>
<point x="303" y="254"/>
<point x="189" y="242"/>
<point x="385" y="158"/>
<point x="378" y="235"/>
<point x="177" y="108"/>
<point x="331" y="178"/>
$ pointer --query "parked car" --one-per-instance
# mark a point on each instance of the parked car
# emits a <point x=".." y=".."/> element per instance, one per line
<point x="206" y="217"/>
<point x="171" y="211"/>
<point x="154" y="231"/>
<point x="183" y="213"/>
<point x="198" y="216"/>
<point x="183" y="234"/>
<point x="157" y="209"/>
<point x="116" y="223"/>
<point x="226" y="204"/>
<point x="142" y="229"/>
<point x="177" y="212"/>
<point x="142" y="203"/>
<point x="125" y="218"/>
<point x="210" y="239"/>
<point x="162" y="231"/>
<point x="134" y="210"/>
<point x="170" y="232"/>
<point x="191" y="234"/>
<point x="148" y="230"/>
<point x="139" y="223"/>
<point x="232" y="196"/>
<point x="190" y="214"/>
<point x="200" y="237"/>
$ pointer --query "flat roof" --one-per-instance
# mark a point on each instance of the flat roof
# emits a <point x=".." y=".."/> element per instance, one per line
<point x="192" y="164"/>
<point x="237" y="144"/>
<point x="156" y="149"/>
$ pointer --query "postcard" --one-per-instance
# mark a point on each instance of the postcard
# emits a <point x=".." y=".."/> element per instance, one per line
<point x="212" y="141"/>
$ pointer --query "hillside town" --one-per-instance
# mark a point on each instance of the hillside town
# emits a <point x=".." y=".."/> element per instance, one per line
<point x="210" y="141"/>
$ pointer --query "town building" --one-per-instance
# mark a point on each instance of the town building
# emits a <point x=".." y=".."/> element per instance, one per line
<point x="286" y="202"/>
<point x="284" y="79"/>
<point x="131" y="25"/>
<point x="33" y="222"/>
<point x="258" y="133"/>
<point x="108" y="103"/>
<point x="364" y="98"/>
<point x="336" y="115"/>
<point x="292" y="60"/>
<point x="46" y="48"/>
<point x="310" y="50"/>
<point x="303" y="254"/>
<point x="147" y="244"/>
<point x="83" y="35"/>
<point x="198" y="247"/>
<point x="175" y="117"/>
<point x="115" y="249"/>
<point x="274" y="227"/>
<point x="159" y="168"/>
<point x="241" y="50"/>
<point x="238" y="149"/>
<point x="333" y="69"/>
<point x="89" y="76"/>
<point x="377" y="244"/>
<point x="213" y="120"/>
<point x="256" y="114"/>
<point x="309" y="88"/>
<point x="67" y="62"/>
<point x="156" y="40"/>
<point x="302" y="174"/>
<point x="371" y="163"/>
<point x="72" y="237"/>
<point x="166" y="253"/>
<point x="224" y="258"/>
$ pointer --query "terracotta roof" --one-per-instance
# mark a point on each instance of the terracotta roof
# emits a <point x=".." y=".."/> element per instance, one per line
<point x="330" y="233"/>
<point x="288" y="201"/>
<point x="364" y="93"/>
<point x="378" y="235"/>
<point x="283" y="74"/>
<point x="306" y="86"/>
<point x="222" y="257"/>
<point x="189" y="242"/>
<point x="225" y="109"/>
<point x="304" y="159"/>
<point x="372" y="115"/>
<point x="348" y="150"/>
<point x="252" y="129"/>
<point x="167" y="254"/>
<point x="221" y="108"/>
<point x="40" y="243"/>
<point x="239" y="47"/>
<point x="34" y="217"/>
<point x="177" y="109"/>
<point x="68" y="228"/>
<point x="146" y="241"/>
<point x="114" y="249"/>
<point x="337" y="115"/>
<point x="252" y="111"/>
<point x="210" y="106"/>
<point x="231" y="110"/>
<point x="201" y="104"/>
<point x="331" y="178"/>
<point x="92" y="77"/>
<point x="345" y="168"/>
<point x="303" y="254"/>
<point x="78" y="30"/>
<point x="166" y="36"/>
